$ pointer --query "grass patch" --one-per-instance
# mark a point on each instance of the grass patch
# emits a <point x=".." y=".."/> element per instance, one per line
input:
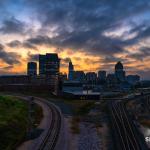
<point x="14" y="121"/>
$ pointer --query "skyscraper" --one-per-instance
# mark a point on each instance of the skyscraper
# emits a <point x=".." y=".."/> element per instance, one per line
<point x="79" y="76"/>
<point x="49" y="64"/>
<point x="32" y="68"/>
<point x="102" y="75"/>
<point x="70" y="71"/>
<point x="42" y="61"/>
<point x="119" y="72"/>
<point x="91" y="76"/>
<point x="52" y="64"/>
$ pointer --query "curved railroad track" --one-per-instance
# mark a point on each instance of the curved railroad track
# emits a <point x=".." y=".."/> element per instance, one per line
<point x="51" y="138"/>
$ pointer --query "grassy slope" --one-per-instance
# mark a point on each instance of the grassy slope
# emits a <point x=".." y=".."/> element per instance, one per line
<point x="13" y="121"/>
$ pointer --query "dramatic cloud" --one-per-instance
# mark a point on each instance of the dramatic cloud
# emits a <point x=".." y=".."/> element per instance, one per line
<point x="11" y="26"/>
<point x="143" y="53"/>
<point x="18" y="44"/>
<point x="112" y="30"/>
<point x="80" y="25"/>
<point x="10" y="58"/>
<point x="33" y="57"/>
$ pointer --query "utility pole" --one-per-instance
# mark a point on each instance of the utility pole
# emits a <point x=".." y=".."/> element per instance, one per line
<point x="31" y="116"/>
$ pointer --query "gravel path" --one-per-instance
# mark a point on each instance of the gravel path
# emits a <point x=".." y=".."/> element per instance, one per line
<point x="88" y="138"/>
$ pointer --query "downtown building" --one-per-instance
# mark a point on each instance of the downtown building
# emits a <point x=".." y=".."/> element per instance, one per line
<point x="75" y="75"/>
<point x="102" y="75"/>
<point x="32" y="69"/>
<point x="119" y="72"/>
<point x="70" y="71"/>
<point x="49" y="66"/>
<point x="91" y="77"/>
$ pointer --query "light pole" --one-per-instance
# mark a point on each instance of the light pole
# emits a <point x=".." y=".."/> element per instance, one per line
<point x="30" y="116"/>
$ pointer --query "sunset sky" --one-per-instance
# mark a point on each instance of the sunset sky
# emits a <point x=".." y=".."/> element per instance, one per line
<point x="94" y="34"/>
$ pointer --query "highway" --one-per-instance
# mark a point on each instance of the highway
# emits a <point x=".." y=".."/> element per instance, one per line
<point x="125" y="133"/>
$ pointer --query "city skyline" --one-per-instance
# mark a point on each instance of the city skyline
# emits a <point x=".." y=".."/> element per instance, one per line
<point x="95" y="38"/>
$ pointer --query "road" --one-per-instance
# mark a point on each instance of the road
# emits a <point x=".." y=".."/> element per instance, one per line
<point x="125" y="132"/>
<point x="51" y="124"/>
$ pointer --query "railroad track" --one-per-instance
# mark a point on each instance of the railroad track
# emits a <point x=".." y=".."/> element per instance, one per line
<point x="51" y="138"/>
<point x="148" y="102"/>
<point x="124" y="130"/>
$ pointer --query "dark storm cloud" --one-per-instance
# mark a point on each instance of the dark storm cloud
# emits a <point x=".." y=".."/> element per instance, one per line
<point x="12" y="25"/>
<point x="80" y="25"/>
<point x="14" y="44"/>
<point x="144" y="33"/>
<point x="18" y="44"/>
<point x="89" y="13"/>
<point x="82" y="22"/>
<point x="40" y="40"/>
<point x="9" y="57"/>
<point x="112" y="59"/>
<point x="81" y="42"/>
<point x="143" y="53"/>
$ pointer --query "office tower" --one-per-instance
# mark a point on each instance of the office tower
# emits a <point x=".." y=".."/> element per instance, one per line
<point x="102" y="75"/>
<point x="32" y="68"/>
<point x="111" y="79"/>
<point x="70" y="71"/>
<point x="79" y="76"/>
<point x="49" y="64"/>
<point x="42" y="61"/>
<point x="91" y="76"/>
<point x="119" y="72"/>
<point x="52" y="64"/>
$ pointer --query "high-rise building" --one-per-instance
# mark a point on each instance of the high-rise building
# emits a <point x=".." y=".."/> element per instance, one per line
<point x="111" y="79"/>
<point x="52" y="64"/>
<point x="119" y="72"/>
<point x="32" y="68"/>
<point x="42" y="62"/>
<point x="79" y="76"/>
<point x="49" y="64"/>
<point x="91" y="76"/>
<point x="70" y="71"/>
<point x="102" y="75"/>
